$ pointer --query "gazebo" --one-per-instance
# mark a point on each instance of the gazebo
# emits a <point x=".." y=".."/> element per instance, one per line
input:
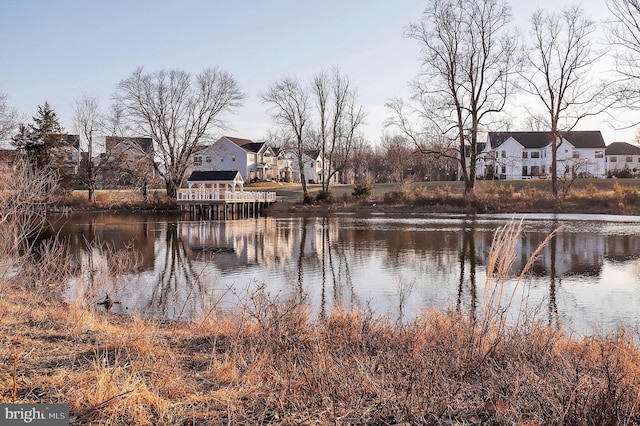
<point x="212" y="185"/>
<point x="219" y="194"/>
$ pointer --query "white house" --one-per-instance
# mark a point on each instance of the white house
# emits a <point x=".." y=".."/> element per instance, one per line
<point x="254" y="160"/>
<point x="312" y="165"/>
<point x="525" y="155"/>
<point x="622" y="157"/>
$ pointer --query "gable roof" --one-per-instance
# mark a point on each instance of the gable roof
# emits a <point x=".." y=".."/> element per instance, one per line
<point x="74" y="141"/>
<point x="536" y="140"/>
<point x="143" y="143"/>
<point x="214" y="176"/>
<point x="246" y="144"/>
<point x="622" y="148"/>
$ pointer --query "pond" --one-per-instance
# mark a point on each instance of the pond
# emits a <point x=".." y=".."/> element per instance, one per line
<point x="586" y="278"/>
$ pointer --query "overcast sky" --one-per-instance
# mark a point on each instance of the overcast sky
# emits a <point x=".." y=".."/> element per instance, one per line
<point x="56" y="50"/>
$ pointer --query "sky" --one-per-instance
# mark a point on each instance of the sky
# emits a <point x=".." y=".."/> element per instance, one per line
<point x="56" y="51"/>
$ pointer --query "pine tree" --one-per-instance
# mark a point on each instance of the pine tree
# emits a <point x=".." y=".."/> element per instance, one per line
<point x="44" y="141"/>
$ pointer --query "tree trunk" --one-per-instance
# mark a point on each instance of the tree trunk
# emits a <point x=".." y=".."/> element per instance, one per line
<point x="554" y="165"/>
<point x="171" y="188"/>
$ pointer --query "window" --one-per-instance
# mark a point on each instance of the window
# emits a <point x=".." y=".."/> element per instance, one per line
<point x="504" y="154"/>
<point x="535" y="170"/>
<point x="207" y="159"/>
<point x="504" y="169"/>
<point x="233" y="158"/>
<point x="599" y="154"/>
<point x="525" y="154"/>
<point x="197" y="160"/>
<point x="576" y="154"/>
<point x="629" y="159"/>
<point x="535" y="155"/>
<point x="613" y="159"/>
<point x="524" y="171"/>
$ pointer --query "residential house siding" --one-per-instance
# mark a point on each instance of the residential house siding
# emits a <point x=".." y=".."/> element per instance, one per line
<point x="521" y="155"/>
<point x="254" y="160"/>
<point x="622" y="157"/>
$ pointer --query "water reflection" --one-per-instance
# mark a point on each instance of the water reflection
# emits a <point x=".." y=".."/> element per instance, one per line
<point x="586" y="277"/>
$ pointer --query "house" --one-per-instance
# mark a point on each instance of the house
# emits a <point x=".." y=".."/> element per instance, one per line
<point x="254" y="160"/>
<point x="525" y="155"/>
<point x="74" y="154"/>
<point x="127" y="160"/>
<point x="622" y="159"/>
<point x="312" y="165"/>
<point x="132" y="147"/>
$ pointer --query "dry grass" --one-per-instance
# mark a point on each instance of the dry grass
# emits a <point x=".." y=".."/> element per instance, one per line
<point x="275" y="365"/>
<point x="114" y="199"/>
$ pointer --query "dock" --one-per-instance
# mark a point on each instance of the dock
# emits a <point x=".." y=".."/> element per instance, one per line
<point x="219" y="195"/>
<point x="223" y="205"/>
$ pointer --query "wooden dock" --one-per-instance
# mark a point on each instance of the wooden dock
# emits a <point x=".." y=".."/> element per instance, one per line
<point x="211" y="204"/>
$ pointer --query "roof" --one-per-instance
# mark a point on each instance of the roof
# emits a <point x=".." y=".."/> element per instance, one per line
<point x="144" y="143"/>
<point x="74" y="141"/>
<point x="535" y="140"/>
<point x="247" y="144"/>
<point x="214" y="176"/>
<point x="622" y="148"/>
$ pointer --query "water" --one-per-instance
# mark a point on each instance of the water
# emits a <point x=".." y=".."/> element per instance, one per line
<point x="587" y="278"/>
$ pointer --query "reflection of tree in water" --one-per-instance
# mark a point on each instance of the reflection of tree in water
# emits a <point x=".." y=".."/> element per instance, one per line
<point x="468" y="256"/>
<point x="176" y="278"/>
<point x="554" y="317"/>
<point x="334" y="266"/>
<point x="468" y="251"/>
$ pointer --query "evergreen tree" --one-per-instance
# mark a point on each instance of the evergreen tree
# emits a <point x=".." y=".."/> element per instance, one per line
<point x="44" y="141"/>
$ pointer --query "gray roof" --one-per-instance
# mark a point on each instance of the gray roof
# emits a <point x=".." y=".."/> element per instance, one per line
<point x="537" y="140"/>
<point x="144" y="143"/>
<point x="247" y="144"/>
<point x="213" y="176"/>
<point x="622" y="148"/>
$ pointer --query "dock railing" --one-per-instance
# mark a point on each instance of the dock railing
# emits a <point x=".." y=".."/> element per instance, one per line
<point x="197" y="194"/>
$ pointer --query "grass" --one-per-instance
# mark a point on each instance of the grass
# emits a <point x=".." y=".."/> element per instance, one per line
<point x="605" y="196"/>
<point x="612" y="196"/>
<point x="275" y="365"/>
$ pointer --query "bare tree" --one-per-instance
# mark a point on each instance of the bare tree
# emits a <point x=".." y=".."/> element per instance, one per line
<point x="177" y="110"/>
<point x="23" y="208"/>
<point x="560" y="58"/>
<point x="360" y="165"/>
<point x="89" y="123"/>
<point x="8" y="119"/>
<point x="467" y="61"/>
<point x="624" y="36"/>
<point x="338" y="121"/>
<point x="289" y="106"/>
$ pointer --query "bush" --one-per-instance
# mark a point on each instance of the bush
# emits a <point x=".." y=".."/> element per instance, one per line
<point x="627" y="194"/>
<point x="324" y="196"/>
<point x="362" y="191"/>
